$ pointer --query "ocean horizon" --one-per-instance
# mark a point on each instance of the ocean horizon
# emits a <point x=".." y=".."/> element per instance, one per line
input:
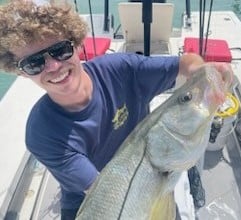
<point x="97" y="6"/>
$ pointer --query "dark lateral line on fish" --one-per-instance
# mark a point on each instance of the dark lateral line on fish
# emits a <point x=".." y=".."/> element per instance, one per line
<point x="129" y="187"/>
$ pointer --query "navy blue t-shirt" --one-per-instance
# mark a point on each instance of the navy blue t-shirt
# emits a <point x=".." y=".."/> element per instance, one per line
<point x="75" y="146"/>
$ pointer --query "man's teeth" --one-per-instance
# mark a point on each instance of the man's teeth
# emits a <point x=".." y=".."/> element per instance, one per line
<point x="60" y="78"/>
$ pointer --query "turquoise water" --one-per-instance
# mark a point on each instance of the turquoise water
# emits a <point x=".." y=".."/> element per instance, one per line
<point x="98" y="7"/>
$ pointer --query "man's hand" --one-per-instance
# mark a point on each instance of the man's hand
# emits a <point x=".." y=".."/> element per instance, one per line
<point x="190" y="63"/>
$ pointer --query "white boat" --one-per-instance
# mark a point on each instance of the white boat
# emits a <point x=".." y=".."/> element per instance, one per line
<point x="27" y="189"/>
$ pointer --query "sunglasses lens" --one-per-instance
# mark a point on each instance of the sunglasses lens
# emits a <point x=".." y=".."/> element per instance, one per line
<point x="61" y="51"/>
<point x="33" y="65"/>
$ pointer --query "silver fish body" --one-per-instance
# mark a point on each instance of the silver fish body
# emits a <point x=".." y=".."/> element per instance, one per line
<point x="138" y="183"/>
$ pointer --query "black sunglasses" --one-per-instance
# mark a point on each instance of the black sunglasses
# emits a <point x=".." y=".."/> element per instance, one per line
<point x="35" y="63"/>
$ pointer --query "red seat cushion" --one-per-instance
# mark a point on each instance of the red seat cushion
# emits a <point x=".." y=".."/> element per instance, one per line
<point x="101" y="45"/>
<point x="216" y="50"/>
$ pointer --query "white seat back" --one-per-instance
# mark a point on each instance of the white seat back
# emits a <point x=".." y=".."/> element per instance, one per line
<point x="130" y="15"/>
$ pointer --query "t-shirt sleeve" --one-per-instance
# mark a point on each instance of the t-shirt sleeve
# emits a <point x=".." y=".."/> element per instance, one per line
<point x="52" y="139"/>
<point x="74" y="171"/>
<point x="154" y="75"/>
<point x="75" y="174"/>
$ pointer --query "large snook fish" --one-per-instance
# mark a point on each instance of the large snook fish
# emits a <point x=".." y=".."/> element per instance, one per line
<point x="138" y="182"/>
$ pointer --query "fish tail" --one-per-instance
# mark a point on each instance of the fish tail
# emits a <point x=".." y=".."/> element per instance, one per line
<point x="164" y="208"/>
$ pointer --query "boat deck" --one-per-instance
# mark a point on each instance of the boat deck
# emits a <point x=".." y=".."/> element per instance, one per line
<point x="221" y="178"/>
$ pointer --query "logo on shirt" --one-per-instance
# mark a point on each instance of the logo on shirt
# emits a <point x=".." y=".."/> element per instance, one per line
<point x="120" y="117"/>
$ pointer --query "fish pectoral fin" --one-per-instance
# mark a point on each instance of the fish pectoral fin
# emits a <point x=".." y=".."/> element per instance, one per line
<point x="164" y="208"/>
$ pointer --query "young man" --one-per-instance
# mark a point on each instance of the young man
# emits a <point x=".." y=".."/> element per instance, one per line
<point x="88" y="109"/>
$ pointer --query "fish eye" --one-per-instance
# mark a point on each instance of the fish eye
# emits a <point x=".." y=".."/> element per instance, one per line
<point x="183" y="98"/>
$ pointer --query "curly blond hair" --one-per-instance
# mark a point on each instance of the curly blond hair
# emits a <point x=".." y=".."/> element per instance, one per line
<point x="22" y="22"/>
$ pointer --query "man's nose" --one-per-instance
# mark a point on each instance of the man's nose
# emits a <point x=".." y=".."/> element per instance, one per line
<point x="51" y="64"/>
